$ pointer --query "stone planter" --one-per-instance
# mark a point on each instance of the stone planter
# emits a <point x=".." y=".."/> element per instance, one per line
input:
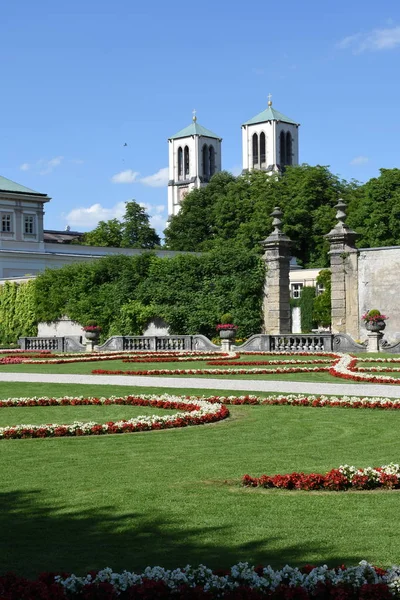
<point x="92" y="336"/>
<point x="227" y="334"/>
<point x="375" y="326"/>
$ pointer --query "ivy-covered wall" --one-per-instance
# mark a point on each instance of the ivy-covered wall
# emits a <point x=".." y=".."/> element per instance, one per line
<point x="122" y="293"/>
<point x="17" y="311"/>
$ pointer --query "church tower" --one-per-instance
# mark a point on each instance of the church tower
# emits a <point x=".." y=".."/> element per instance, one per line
<point x="194" y="157"/>
<point x="270" y="141"/>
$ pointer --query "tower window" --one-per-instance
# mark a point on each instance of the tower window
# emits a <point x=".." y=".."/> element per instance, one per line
<point x="262" y="148"/>
<point x="186" y="161"/>
<point x="255" y="149"/>
<point x="282" y="149"/>
<point x="6" y="223"/>
<point x="206" y="163"/>
<point x="212" y="160"/>
<point x="180" y="162"/>
<point x="288" y="148"/>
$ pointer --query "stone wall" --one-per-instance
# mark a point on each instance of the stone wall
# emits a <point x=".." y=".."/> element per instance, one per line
<point x="63" y="327"/>
<point x="379" y="287"/>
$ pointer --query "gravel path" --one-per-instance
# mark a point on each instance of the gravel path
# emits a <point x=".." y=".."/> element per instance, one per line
<point x="225" y="385"/>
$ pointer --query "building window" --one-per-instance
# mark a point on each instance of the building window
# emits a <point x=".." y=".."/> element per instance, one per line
<point x="212" y="160"/>
<point x="205" y="161"/>
<point x="282" y="149"/>
<point x="320" y="289"/>
<point x="288" y="149"/>
<point x="296" y="289"/>
<point x="262" y="148"/>
<point x="180" y="162"/>
<point x="186" y="161"/>
<point x="255" y="149"/>
<point x="29" y="224"/>
<point x="6" y="221"/>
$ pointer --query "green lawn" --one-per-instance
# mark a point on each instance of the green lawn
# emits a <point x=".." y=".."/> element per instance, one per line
<point x="172" y="497"/>
<point x="87" y="367"/>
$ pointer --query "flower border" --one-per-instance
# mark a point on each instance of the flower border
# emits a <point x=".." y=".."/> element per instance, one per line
<point x="196" y="412"/>
<point x="343" y="478"/>
<point x="242" y="580"/>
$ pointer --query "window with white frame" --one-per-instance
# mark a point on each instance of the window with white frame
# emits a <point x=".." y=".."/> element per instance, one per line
<point x="296" y="289"/>
<point x="6" y="223"/>
<point x="29" y="224"/>
<point x="320" y="289"/>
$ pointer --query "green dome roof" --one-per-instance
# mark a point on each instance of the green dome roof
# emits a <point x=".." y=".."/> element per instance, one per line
<point x="270" y="114"/>
<point x="194" y="129"/>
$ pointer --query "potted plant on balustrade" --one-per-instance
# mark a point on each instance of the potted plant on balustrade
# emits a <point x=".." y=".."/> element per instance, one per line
<point x="92" y="331"/>
<point x="226" y="328"/>
<point x="374" y="320"/>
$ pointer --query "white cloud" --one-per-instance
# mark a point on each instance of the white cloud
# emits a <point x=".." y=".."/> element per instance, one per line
<point x="158" y="222"/>
<point x="43" y="165"/>
<point x="159" y="179"/>
<point x="127" y="176"/>
<point x="89" y="217"/>
<point x="373" y="41"/>
<point x="47" y="166"/>
<point x="359" y="160"/>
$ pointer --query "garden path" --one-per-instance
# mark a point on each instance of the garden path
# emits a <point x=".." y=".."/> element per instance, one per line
<point x="245" y="385"/>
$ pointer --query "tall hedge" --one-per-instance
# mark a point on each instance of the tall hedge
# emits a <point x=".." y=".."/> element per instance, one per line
<point x="190" y="292"/>
<point x="306" y="304"/>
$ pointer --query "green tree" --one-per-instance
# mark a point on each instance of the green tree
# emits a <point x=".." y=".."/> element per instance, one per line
<point x="107" y="233"/>
<point x="193" y="228"/>
<point x="237" y="211"/>
<point x="134" y="231"/>
<point x="374" y="210"/>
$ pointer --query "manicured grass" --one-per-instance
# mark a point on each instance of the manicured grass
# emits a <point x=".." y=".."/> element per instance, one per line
<point x="68" y="414"/>
<point x="172" y="497"/>
<point x="87" y="367"/>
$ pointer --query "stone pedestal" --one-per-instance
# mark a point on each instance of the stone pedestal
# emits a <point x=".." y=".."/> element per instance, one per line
<point x="344" y="268"/>
<point x="276" y="301"/>
<point x="374" y="341"/>
<point x="90" y="346"/>
<point x="226" y="345"/>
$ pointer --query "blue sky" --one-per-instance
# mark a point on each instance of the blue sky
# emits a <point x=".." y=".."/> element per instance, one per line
<point x="81" y="79"/>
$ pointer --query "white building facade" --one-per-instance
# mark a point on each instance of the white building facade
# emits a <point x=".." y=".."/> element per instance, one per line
<point x="194" y="157"/>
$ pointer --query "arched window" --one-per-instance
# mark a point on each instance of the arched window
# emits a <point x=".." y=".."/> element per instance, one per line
<point x="262" y="149"/>
<point x="288" y="148"/>
<point x="206" y="163"/>
<point x="255" y="149"/>
<point x="186" y="161"/>
<point x="282" y="149"/>
<point x="180" y="162"/>
<point x="212" y="160"/>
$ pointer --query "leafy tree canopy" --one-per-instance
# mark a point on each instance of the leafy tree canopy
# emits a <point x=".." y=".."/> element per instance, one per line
<point x="374" y="210"/>
<point x="238" y="210"/>
<point x="134" y="231"/>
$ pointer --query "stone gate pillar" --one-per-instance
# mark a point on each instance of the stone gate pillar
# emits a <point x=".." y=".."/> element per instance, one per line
<point x="276" y="301"/>
<point x="344" y="267"/>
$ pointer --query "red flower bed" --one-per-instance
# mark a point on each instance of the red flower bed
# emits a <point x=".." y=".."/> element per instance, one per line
<point x="334" y="480"/>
